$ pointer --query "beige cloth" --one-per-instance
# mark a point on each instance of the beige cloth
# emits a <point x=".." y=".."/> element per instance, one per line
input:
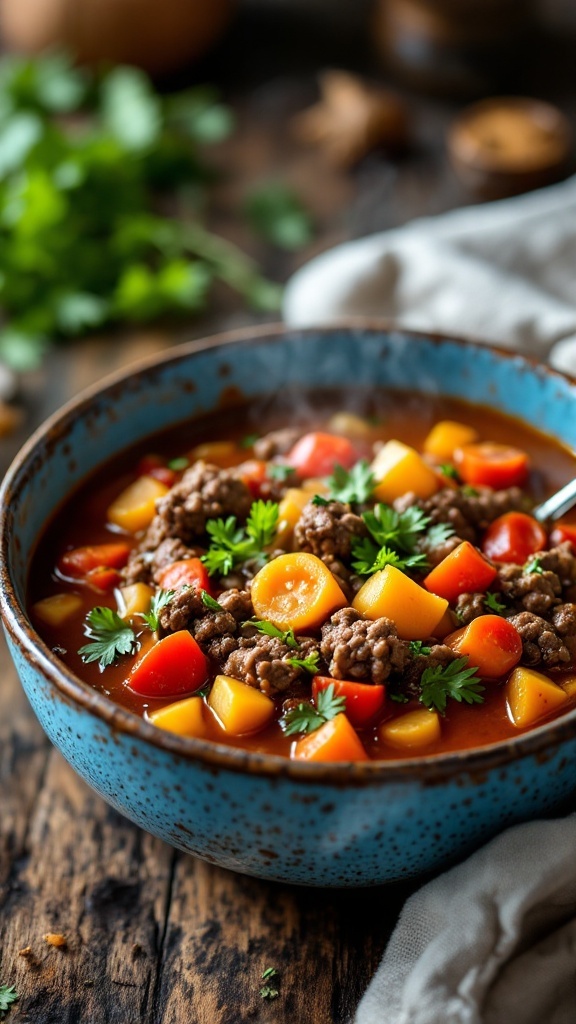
<point x="493" y="941"/>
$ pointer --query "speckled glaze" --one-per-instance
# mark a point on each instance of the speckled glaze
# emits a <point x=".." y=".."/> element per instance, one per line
<point x="335" y="825"/>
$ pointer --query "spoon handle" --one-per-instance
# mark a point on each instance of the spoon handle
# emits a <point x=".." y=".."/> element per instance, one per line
<point x="557" y="505"/>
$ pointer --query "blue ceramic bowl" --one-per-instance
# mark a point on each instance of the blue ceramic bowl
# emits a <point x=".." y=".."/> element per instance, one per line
<point x="337" y="825"/>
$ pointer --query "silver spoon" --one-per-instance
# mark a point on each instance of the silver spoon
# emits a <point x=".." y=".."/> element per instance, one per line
<point x="557" y="505"/>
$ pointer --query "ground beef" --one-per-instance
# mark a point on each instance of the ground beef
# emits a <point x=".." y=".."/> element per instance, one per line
<point x="435" y="553"/>
<point x="357" y="648"/>
<point x="238" y="603"/>
<point x="277" y="442"/>
<point x="529" y="591"/>
<point x="470" y="606"/>
<point x="468" y="514"/>
<point x="564" y="622"/>
<point x="204" y="492"/>
<point x="561" y="561"/>
<point x="146" y="566"/>
<point x="439" y="654"/>
<point x="261" y="661"/>
<point x="347" y="580"/>
<point x="328" y="530"/>
<point x="541" y="643"/>
<point x="182" y="609"/>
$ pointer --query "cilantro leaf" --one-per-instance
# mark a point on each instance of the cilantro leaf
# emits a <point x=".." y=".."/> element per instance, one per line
<point x="268" y="992"/>
<point x="319" y="500"/>
<point x="307" y="718"/>
<point x="352" y="486"/>
<point x="179" y="463"/>
<point x="262" y="523"/>
<point x="210" y="602"/>
<point x="110" y="635"/>
<point x="450" y="471"/>
<point x="278" y="471"/>
<point x="438" y="534"/>
<point x="396" y="529"/>
<point x="231" y="545"/>
<point x="8" y="996"/>
<point x="159" y="601"/>
<point x="417" y="648"/>
<point x="269" y="629"/>
<point x="270" y="972"/>
<point x="310" y="664"/>
<point x="534" y="565"/>
<point x="493" y="604"/>
<point x="379" y="558"/>
<point x="454" y="681"/>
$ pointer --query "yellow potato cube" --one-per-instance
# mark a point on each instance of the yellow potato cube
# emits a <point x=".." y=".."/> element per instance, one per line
<point x="218" y="452"/>
<point x="135" y="600"/>
<point x="414" y="729"/>
<point x="185" y="718"/>
<point x="397" y="468"/>
<point x="314" y="485"/>
<point x="390" y="593"/>
<point x="56" y="610"/>
<point x="135" y="508"/>
<point x="447" y="435"/>
<point x="289" y="512"/>
<point x="531" y="696"/>
<point x="239" y="707"/>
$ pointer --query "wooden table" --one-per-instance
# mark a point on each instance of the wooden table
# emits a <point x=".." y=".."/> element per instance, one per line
<point x="153" y="936"/>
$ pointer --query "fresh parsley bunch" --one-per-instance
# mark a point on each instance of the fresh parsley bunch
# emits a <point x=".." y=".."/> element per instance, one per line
<point x="231" y="545"/>
<point x="102" y="183"/>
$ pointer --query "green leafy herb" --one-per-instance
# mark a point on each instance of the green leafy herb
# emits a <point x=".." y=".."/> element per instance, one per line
<point x="210" y="602"/>
<point x="447" y="469"/>
<point x="534" y="565"/>
<point x="179" y="464"/>
<point x="394" y="539"/>
<point x="109" y="170"/>
<point x="278" y="471"/>
<point x="370" y="559"/>
<point x="269" y="629"/>
<point x="270" y="972"/>
<point x="159" y="601"/>
<point x="231" y="545"/>
<point x="455" y="681"/>
<point x="307" y="718"/>
<point x="310" y="664"/>
<point x="8" y="996"/>
<point x="417" y="648"/>
<point x="439" y="533"/>
<point x="493" y="604"/>
<point x="110" y="637"/>
<point x="469" y="492"/>
<point x="399" y="698"/>
<point x="319" y="500"/>
<point x="277" y="214"/>
<point x="268" y="992"/>
<point x="249" y="441"/>
<point x="354" y="485"/>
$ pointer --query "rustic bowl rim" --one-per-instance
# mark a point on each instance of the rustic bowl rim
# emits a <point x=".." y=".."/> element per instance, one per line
<point x="427" y="770"/>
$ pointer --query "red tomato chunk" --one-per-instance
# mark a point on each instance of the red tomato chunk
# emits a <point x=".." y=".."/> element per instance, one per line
<point x="513" y="537"/>
<point x="363" y="700"/>
<point x="317" y="454"/>
<point x="172" y="667"/>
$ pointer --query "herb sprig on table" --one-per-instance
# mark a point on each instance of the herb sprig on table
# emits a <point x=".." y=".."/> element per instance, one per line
<point x="8" y="996"/>
<point x="102" y="184"/>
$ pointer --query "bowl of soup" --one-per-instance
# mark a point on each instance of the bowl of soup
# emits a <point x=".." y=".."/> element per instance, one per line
<point x="282" y="599"/>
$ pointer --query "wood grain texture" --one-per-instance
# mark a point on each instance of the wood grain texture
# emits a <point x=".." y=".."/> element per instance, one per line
<point x="153" y="936"/>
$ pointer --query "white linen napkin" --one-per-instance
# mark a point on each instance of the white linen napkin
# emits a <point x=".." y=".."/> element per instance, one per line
<point x="492" y="941"/>
<point x="503" y="272"/>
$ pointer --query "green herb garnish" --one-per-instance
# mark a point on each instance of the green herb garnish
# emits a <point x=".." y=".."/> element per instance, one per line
<point x="8" y="996"/>
<point x="179" y="464"/>
<point x="352" y="486"/>
<point x="535" y="566"/>
<point x="249" y="441"/>
<point x="110" y="635"/>
<point x="438" y="534"/>
<point x="493" y="604"/>
<point x="319" y="500"/>
<point x="278" y="471"/>
<point x="394" y="536"/>
<point x="210" y="602"/>
<point x="370" y="559"/>
<point x="270" y="972"/>
<point x="307" y="718"/>
<point x="277" y="214"/>
<point x="159" y="601"/>
<point x="469" y="492"/>
<point x="232" y="545"/>
<point x="450" y="471"/>
<point x="417" y="648"/>
<point x="309" y="664"/>
<point x="269" y="629"/>
<point x="455" y="681"/>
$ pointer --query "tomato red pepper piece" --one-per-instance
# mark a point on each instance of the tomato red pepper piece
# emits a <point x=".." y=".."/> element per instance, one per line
<point x="189" y="572"/>
<point x="103" y="578"/>
<point x="155" y="465"/>
<point x="492" y="645"/>
<point x="253" y="473"/>
<point x="491" y="465"/>
<point x="363" y="700"/>
<point x="463" y="571"/>
<point x="173" y="666"/>
<point x="513" y="537"/>
<point x="563" y="532"/>
<point x="317" y="454"/>
<point x="80" y="561"/>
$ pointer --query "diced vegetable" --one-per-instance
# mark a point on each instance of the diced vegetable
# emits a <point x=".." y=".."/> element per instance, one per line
<point x="563" y="532"/>
<point x="221" y="453"/>
<point x="80" y="561"/>
<point x="349" y="424"/>
<point x="314" y="485"/>
<point x="296" y="591"/>
<point x="103" y="579"/>
<point x="173" y="666"/>
<point x="254" y="474"/>
<point x="397" y="468"/>
<point x="391" y="593"/>
<point x="240" y="708"/>
<point x="57" y="609"/>
<point x="447" y="624"/>
<point x="316" y="454"/>
<point x="135" y="600"/>
<point x="414" y="729"/>
<point x="135" y="508"/>
<point x="463" y="571"/>
<point x="290" y="509"/>
<point x="185" y="718"/>
<point x="532" y="696"/>
<point x="446" y="436"/>
<point x="513" y="537"/>
<point x="492" y="644"/>
<point x="492" y="465"/>
<point x="155" y="465"/>
<point x="187" y="572"/>
<point x="336" y="740"/>
<point x="363" y="700"/>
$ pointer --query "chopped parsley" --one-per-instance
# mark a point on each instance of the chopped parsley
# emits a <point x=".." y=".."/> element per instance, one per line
<point x="159" y="601"/>
<point x="319" y="500"/>
<point x="8" y="996"/>
<point x="179" y="464"/>
<point x="352" y="486"/>
<point x="399" y="698"/>
<point x="393" y="537"/>
<point x="370" y="559"/>
<point x="279" y="471"/>
<point x="450" y="471"/>
<point x="111" y="637"/>
<point x="439" y="533"/>
<point x="417" y="648"/>
<point x="469" y="492"/>
<point x="269" y="629"/>
<point x="493" y="604"/>
<point x="210" y="602"/>
<point x="307" y="718"/>
<point x="455" y="681"/>
<point x="309" y="664"/>
<point x="231" y="545"/>
<point x="535" y="566"/>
